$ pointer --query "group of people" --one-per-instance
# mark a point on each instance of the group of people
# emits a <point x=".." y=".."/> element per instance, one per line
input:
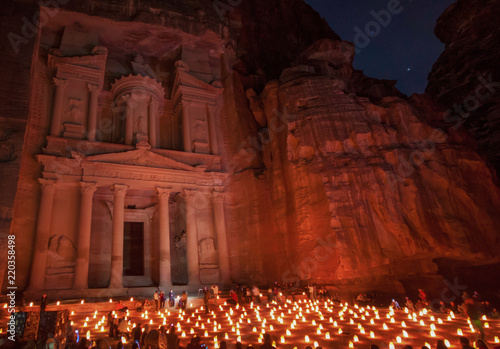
<point x="471" y="307"/>
<point x="160" y="299"/>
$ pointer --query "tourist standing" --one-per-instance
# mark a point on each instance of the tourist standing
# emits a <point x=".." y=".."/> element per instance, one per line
<point x="162" y="300"/>
<point x="171" y="298"/>
<point x="206" y="298"/>
<point x="156" y="297"/>
<point x="183" y="300"/>
<point x="472" y="311"/>
<point x="43" y="303"/>
<point x="256" y="294"/>
<point x="215" y="290"/>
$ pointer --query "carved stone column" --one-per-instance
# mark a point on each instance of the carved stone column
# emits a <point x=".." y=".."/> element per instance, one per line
<point x="55" y="126"/>
<point x="83" y="242"/>
<point x="152" y="110"/>
<point x="192" y="238"/>
<point x="164" y="238"/>
<point x="119" y="192"/>
<point x="129" y="119"/>
<point x="37" y="277"/>
<point x="214" y="149"/>
<point x="186" y="128"/>
<point x="220" y="227"/>
<point x="92" y="120"/>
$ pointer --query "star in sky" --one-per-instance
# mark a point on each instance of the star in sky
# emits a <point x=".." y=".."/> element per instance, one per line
<point x="396" y="44"/>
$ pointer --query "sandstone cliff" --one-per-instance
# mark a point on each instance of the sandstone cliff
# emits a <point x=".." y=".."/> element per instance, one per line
<point x="367" y="194"/>
<point x="465" y="77"/>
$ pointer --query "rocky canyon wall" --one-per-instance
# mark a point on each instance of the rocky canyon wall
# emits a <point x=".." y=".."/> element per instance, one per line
<point x="466" y="77"/>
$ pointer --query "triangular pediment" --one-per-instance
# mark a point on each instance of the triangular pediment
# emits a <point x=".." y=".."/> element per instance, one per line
<point x="185" y="79"/>
<point x="140" y="157"/>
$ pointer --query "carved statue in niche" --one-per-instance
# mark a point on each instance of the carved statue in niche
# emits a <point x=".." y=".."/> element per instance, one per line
<point x="141" y="68"/>
<point x="139" y="127"/>
<point x="75" y="114"/>
<point x="61" y="249"/>
<point x="207" y="251"/>
<point x="201" y="132"/>
<point x="180" y="241"/>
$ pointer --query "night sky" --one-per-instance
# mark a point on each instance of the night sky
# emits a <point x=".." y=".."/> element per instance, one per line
<point x="404" y="48"/>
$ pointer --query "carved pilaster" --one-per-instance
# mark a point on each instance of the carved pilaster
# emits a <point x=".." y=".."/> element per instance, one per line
<point x="129" y="119"/>
<point x="119" y="192"/>
<point x="92" y="120"/>
<point x="152" y="121"/>
<point x="164" y="236"/>
<point x="37" y="277"/>
<point x="60" y="86"/>
<point x="186" y="127"/>
<point x="83" y="243"/>
<point x="212" y="131"/>
<point x="192" y="238"/>
<point x="220" y="227"/>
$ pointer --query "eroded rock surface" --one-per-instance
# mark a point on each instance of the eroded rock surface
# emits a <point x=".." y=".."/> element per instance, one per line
<point x="465" y="78"/>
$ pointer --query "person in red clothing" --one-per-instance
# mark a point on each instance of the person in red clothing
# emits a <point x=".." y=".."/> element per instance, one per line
<point x="422" y="296"/>
<point x="120" y="307"/>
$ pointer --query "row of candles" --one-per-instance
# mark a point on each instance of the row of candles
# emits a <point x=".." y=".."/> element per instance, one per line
<point x="284" y="319"/>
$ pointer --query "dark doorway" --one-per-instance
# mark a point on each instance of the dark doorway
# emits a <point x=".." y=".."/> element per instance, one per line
<point x="133" y="249"/>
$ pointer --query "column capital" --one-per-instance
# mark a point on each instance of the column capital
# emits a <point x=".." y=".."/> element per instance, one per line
<point x="88" y="187"/>
<point x="60" y="82"/>
<point x="129" y="99"/>
<point x="46" y="184"/>
<point x="190" y="194"/>
<point x="162" y="192"/>
<point x="119" y="189"/>
<point x="93" y="88"/>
